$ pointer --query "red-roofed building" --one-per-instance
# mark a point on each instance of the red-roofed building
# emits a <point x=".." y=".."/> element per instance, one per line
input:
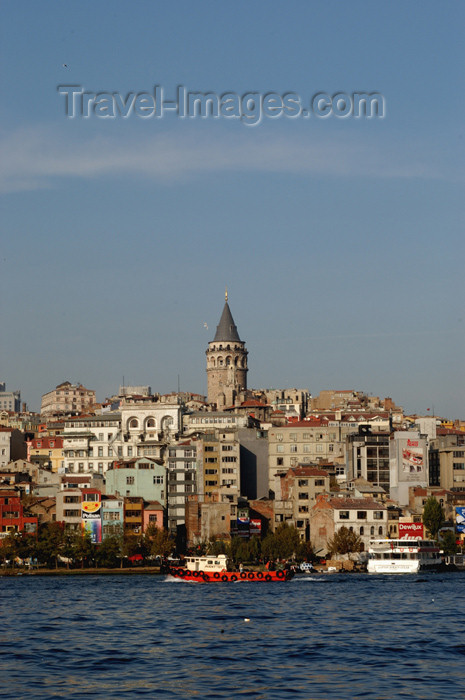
<point x="46" y="451"/>
<point x="12" y="518"/>
<point x="364" y="516"/>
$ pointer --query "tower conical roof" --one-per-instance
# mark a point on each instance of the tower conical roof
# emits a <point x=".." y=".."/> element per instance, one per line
<point x="226" y="329"/>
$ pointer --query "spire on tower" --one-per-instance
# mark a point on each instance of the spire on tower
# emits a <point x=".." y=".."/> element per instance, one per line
<point x="226" y="294"/>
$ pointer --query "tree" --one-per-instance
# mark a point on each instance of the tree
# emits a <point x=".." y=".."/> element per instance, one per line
<point x="84" y="548"/>
<point x="282" y="544"/>
<point x="216" y="546"/>
<point x="304" y="552"/>
<point x="448" y="542"/>
<point x="109" y="552"/>
<point x="161" y="542"/>
<point x="433" y="516"/>
<point x="345" y="541"/>
<point x="51" y="540"/>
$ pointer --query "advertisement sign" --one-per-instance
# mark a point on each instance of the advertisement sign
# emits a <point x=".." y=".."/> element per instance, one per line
<point x="410" y="531"/>
<point x="460" y="518"/>
<point x="255" y="526"/>
<point x="412" y="458"/>
<point x="92" y="520"/>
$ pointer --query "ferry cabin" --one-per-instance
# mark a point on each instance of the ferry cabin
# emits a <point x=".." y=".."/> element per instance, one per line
<point x="402" y="556"/>
<point x="208" y="563"/>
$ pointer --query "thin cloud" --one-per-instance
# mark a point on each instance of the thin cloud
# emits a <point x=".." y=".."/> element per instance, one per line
<point x="36" y="158"/>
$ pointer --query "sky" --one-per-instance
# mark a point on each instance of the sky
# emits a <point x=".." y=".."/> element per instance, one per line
<point x="340" y="239"/>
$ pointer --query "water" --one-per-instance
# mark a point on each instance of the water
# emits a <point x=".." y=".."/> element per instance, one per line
<point x="327" y="636"/>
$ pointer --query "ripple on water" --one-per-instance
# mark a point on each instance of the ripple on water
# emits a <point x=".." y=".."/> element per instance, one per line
<point x="315" y="637"/>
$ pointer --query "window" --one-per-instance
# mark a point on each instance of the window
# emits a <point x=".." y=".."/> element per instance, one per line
<point x="279" y="461"/>
<point x="303" y="496"/>
<point x="343" y="515"/>
<point x="293" y="437"/>
<point x="293" y="448"/>
<point x="110" y="451"/>
<point x="158" y="479"/>
<point x="129" y="451"/>
<point x="372" y="530"/>
<point x="459" y="465"/>
<point x="319" y="482"/>
<point x="362" y="530"/>
<point x="303" y="482"/>
<point x="129" y="480"/>
<point x="361" y="515"/>
<point x="279" y="448"/>
<point x="100" y="452"/>
<point x="209" y="448"/>
<point x="91" y="497"/>
<point x="380" y="530"/>
<point x="378" y="515"/>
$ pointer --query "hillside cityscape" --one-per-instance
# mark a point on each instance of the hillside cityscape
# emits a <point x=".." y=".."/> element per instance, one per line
<point x="236" y="465"/>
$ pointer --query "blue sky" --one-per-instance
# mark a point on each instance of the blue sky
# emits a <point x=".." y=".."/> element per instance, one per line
<point x="340" y="240"/>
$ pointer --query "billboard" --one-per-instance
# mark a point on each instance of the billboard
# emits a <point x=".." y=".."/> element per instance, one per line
<point x="410" y="531"/>
<point x="460" y="518"/>
<point x="255" y="526"/>
<point x="91" y="519"/>
<point x="412" y="458"/>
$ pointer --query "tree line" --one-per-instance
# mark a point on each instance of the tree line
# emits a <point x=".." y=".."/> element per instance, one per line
<point x="55" y="547"/>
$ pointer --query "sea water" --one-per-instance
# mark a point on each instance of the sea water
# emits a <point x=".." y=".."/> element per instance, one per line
<point x="317" y="636"/>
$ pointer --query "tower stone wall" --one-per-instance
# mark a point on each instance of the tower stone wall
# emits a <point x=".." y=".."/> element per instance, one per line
<point x="226" y="363"/>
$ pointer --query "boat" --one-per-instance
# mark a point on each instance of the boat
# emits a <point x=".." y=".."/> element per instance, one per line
<point x="403" y="556"/>
<point x="214" y="569"/>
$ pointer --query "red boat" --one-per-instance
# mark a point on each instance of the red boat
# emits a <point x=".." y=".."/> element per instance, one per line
<point x="213" y="570"/>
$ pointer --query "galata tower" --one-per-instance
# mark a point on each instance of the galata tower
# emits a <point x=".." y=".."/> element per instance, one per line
<point x="226" y="362"/>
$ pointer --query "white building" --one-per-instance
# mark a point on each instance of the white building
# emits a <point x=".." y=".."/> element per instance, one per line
<point x="5" y="440"/>
<point x="141" y="428"/>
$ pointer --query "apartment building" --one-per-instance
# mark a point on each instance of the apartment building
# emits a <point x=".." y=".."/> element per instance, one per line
<point x="297" y="493"/>
<point x="364" y="516"/>
<point x="368" y="457"/>
<point x="182" y="482"/>
<point x="447" y="460"/>
<point x="307" y="442"/>
<point x="67" y="398"/>
<point x="140" y="476"/>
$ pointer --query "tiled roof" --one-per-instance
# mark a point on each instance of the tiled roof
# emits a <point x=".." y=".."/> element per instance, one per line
<point x="355" y="504"/>
<point x="308" y="471"/>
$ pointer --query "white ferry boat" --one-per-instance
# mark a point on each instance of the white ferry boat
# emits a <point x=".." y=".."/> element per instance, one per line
<point x="402" y="556"/>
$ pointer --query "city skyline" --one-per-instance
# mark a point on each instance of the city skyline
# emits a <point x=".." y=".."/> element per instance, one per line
<point x="340" y="239"/>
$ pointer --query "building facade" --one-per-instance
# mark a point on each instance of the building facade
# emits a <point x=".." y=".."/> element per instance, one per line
<point x="364" y="516"/>
<point x="67" y="398"/>
<point x="141" y="476"/>
<point x="9" y="400"/>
